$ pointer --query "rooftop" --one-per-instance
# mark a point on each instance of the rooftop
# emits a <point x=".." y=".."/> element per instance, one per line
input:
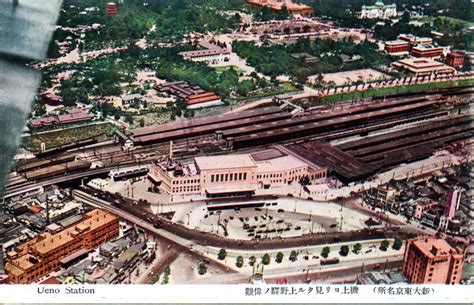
<point x="224" y="162"/>
<point x="280" y="164"/>
<point x="91" y="221"/>
<point x="427" y="244"/>
<point x="205" y="52"/>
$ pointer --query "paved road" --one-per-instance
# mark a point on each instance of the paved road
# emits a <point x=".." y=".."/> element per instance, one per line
<point x="330" y="273"/>
<point x="191" y="237"/>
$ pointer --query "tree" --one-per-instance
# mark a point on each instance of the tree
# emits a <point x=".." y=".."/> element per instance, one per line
<point x="293" y="256"/>
<point x="279" y="257"/>
<point x="266" y="259"/>
<point x="344" y="251"/>
<point x="325" y="251"/>
<point x="202" y="268"/>
<point x="239" y="261"/>
<point x="40" y="108"/>
<point x="357" y="247"/>
<point x="252" y="260"/>
<point x="397" y="244"/>
<point x="222" y="254"/>
<point x="384" y="245"/>
<point x="166" y="275"/>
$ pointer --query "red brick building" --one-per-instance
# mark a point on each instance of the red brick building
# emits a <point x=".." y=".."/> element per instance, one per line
<point x="455" y="59"/>
<point x="36" y="258"/>
<point x="397" y="46"/>
<point x="431" y="260"/>
<point x="277" y="5"/>
<point x="426" y="50"/>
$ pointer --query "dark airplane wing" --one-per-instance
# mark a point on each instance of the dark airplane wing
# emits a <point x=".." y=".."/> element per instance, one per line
<point x="26" y="27"/>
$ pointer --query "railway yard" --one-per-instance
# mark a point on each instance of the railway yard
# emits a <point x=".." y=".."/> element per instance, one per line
<point x="353" y="139"/>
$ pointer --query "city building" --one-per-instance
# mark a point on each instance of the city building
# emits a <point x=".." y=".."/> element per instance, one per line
<point x="3" y="275"/>
<point x="423" y="66"/>
<point x="98" y="183"/>
<point x="211" y="54"/>
<point x="455" y="59"/>
<point x="277" y="5"/>
<point x="426" y="50"/>
<point x="448" y="219"/>
<point x="381" y="278"/>
<point x="431" y="260"/>
<point x="378" y="10"/>
<point x="422" y="206"/>
<point x="414" y="40"/>
<point x="203" y="100"/>
<point x="382" y="197"/>
<point x="12" y="232"/>
<point x="36" y="258"/>
<point x="73" y="116"/>
<point x="231" y="175"/>
<point x="179" y="89"/>
<point x="193" y="96"/>
<point x="395" y="47"/>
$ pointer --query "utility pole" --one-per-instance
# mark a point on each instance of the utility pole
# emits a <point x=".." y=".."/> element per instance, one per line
<point x="47" y="211"/>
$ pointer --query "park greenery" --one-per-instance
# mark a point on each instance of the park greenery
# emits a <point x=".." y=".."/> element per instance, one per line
<point x="171" y="19"/>
<point x="252" y="260"/>
<point x="166" y="275"/>
<point x="344" y="251"/>
<point x="279" y="257"/>
<point x="239" y="261"/>
<point x="356" y="248"/>
<point x="397" y="244"/>
<point x="266" y="259"/>
<point x="222" y="254"/>
<point x="202" y="267"/>
<point x="275" y="60"/>
<point x="293" y="256"/>
<point x="325" y="251"/>
<point x="384" y="245"/>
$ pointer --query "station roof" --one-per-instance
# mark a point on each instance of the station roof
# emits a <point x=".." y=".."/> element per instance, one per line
<point x="286" y="163"/>
<point x="224" y="162"/>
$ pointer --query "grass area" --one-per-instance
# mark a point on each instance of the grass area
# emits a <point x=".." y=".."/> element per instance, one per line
<point x="451" y="20"/>
<point x="225" y="68"/>
<point x="151" y="118"/>
<point x="392" y="90"/>
<point x="58" y="138"/>
<point x="282" y="89"/>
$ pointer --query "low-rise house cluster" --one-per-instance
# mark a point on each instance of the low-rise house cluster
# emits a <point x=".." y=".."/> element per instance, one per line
<point x="52" y="205"/>
<point x="72" y="116"/>
<point x="277" y="5"/>
<point x="112" y="263"/>
<point x="439" y="201"/>
<point x="193" y="96"/>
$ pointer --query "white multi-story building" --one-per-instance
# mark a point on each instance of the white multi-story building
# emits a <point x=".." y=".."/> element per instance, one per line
<point x="211" y="56"/>
<point x="378" y="10"/>
<point x="231" y="175"/>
